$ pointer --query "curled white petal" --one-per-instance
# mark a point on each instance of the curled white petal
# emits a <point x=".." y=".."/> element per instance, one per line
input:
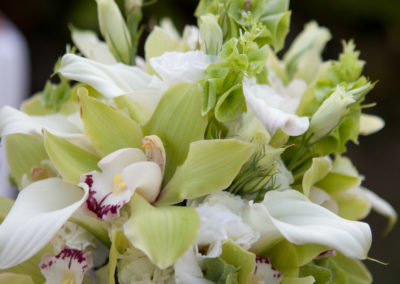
<point x="370" y="124"/>
<point x="275" y="111"/>
<point x="290" y="214"/>
<point x="38" y="213"/>
<point x="111" y="80"/>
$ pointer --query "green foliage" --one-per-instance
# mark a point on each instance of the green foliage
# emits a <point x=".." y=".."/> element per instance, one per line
<point x="219" y="271"/>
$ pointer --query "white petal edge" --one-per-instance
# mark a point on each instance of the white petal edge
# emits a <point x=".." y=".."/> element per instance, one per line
<point x="89" y="44"/>
<point x="300" y="221"/>
<point x="111" y="80"/>
<point x="145" y="178"/>
<point x="14" y="121"/>
<point x="38" y="213"/>
<point x="272" y="118"/>
<point x="381" y="206"/>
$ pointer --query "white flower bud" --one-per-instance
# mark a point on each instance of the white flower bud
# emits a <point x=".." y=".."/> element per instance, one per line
<point x="326" y="118"/>
<point x="114" y="30"/>
<point x="210" y="34"/>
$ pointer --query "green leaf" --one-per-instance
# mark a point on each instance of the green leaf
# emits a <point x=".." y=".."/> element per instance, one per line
<point x="177" y="120"/>
<point x="23" y="153"/>
<point x="162" y="233"/>
<point x="318" y="170"/>
<point x="13" y="278"/>
<point x="241" y="258"/>
<point x="30" y="267"/>
<point x="107" y="128"/>
<point x="70" y="161"/>
<point x="220" y="271"/>
<point x="211" y="166"/>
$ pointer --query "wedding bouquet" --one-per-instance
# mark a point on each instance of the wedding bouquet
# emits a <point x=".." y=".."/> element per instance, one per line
<point x="210" y="160"/>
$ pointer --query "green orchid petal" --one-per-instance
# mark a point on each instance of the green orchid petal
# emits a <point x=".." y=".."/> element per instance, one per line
<point x="318" y="170"/>
<point x="353" y="204"/>
<point x="5" y="206"/>
<point x="34" y="106"/>
<point x="296" y="280"/>
<point x="241" y="258"/>
<point x="220" y="271"/>
<point x="278" y="27"/>
<point x="23" y="153"/>
<point x="335" y="182"/>
<point x="70" y="161"/>
<point x="107" y="128"/>
<point x="211" y="166"/>
<point x="177" y="120"/>
<point x="163" y="233"/>
<point x="12" y="278"/>
<point x="320" y="274"/>
<point x="38" y="213"/>
<point x="306" y="253"/>
<point x="284" y="258"/>
<point x="119" y="244"/>
<point x="346" y="270"/>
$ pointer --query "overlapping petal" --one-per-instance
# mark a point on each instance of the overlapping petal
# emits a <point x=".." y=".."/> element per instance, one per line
<point x="38" y="213"/>
<point x="274" y="110"/>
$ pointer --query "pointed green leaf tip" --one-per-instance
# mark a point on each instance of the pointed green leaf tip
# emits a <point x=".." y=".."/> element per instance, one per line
<point x="107" y="128"/>
<point x="70" y="161"/>
<point x="177" y="120"/>
<point x="162" y="233"/>
<point x="211" y="166"/>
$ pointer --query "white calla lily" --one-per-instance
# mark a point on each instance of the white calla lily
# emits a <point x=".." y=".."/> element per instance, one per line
<point x="123" y="172"/>
<point x="14" y="121"/>
<point x="177" y="67"/>
<point x="38" y="213"/>
<point x="289" y="214"/>
<point x="276" y="109"/>
<point x="111" y="80"/>
<point x="89" y="44"/>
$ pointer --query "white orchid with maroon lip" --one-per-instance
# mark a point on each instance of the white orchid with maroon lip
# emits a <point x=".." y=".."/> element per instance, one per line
<point x="123" y="172"/>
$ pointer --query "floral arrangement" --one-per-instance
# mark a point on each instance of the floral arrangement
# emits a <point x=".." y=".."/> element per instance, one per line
<point x="210" y="160"/>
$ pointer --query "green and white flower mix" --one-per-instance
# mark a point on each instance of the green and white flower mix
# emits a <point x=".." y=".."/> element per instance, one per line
<point x="210" y="160"/>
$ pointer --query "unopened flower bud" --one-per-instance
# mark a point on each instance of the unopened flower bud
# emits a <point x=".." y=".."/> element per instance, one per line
<point x="210" y="34"/>
<point x="114" y="30"/>
<point x="328" y="115"/>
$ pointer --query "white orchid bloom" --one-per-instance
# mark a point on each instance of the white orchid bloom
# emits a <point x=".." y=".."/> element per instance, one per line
<point x="122" y="173"/>
<point x="289" y="214"/>
<point x="177" y="67"/>
<point x="276" y="109"/>
<point x="37" y="214"/>
<point x="69" y="266"/>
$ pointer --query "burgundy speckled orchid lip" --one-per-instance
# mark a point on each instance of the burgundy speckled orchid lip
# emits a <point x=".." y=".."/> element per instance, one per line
<point x="98" y="207"/>
<point x="68" y="265"/>
<point x="265" y="272"/>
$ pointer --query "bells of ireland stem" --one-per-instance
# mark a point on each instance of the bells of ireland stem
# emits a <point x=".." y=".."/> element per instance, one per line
<point x="114" y="30"/>
<point x="328" y="115"/>
<point x="210" y="34"/>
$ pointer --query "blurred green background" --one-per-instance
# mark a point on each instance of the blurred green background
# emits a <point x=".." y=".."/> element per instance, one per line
<point x="375" y="27"/>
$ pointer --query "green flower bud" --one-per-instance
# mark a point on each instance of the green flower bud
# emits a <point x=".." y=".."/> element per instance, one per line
<point x="114" y="30"/>
<point x="328" y="114"/>
<point x="211" y="34"/>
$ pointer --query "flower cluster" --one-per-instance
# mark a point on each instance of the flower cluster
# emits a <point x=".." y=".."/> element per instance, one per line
<point x="210" y="160"/>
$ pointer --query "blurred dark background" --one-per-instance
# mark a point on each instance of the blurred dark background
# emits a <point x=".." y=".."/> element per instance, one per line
<point x="374" y="25"/>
